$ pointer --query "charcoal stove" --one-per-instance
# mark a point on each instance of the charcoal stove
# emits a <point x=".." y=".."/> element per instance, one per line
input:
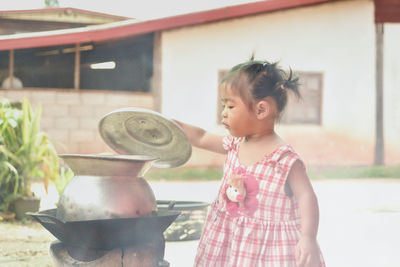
<point x="107" y="214"/>
<point x="128" y="241"/>
<point x="129" y="256"/>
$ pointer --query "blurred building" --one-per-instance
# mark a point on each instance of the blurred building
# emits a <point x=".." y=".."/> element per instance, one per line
<point x="47" y="19"/>
<point x="174" y="64"/>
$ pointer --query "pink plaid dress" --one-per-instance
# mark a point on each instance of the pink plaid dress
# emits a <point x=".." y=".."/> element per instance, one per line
<point x="266" y="238"/>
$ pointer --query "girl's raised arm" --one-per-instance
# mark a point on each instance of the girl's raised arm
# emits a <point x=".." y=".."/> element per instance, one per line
<point x="202" y="139"/>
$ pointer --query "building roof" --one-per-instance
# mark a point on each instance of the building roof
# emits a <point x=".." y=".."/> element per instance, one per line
<point x="60" y="14"/>
<point x="49" y="19"/>
<point x="126" y="28"/>
<point x="387" y="11"/>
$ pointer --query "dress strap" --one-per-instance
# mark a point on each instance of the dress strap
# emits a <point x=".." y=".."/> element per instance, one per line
<point x="281" y="152"/>
<point x="230" y="142"/>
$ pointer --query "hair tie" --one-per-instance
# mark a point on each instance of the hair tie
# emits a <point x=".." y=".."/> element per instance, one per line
<point x="282" y="87"/>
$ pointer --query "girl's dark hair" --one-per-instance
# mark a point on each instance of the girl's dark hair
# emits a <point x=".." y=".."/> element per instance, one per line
<point x="255" y="80"/>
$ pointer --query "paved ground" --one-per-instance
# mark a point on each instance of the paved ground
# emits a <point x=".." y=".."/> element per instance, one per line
<point x="359" y="220"/>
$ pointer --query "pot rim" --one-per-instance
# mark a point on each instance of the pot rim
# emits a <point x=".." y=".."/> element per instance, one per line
<point x="110" y="157"/>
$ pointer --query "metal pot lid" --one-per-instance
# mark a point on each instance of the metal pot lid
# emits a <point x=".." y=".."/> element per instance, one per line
<point x="140" y="131"/>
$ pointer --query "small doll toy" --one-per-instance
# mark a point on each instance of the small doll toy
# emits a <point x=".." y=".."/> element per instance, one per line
<point x="240" y="193"/>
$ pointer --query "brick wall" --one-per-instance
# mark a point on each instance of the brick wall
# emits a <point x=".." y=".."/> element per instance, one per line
<point x="71" y="118"/>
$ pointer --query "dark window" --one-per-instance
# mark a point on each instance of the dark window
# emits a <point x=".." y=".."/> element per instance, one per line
<point x="50" y="67"/>
<point x="4" y="62"/>
<point x="133" y="65"/>
<point x="123" y="64"/>
<point x="307" y="110"/>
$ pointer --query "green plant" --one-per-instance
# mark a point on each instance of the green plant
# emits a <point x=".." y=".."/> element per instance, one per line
<point x="64" y="176"/>
<point x="185" y="174"/>
<point x="26" y="153"/>
<point x="354" y="172"/>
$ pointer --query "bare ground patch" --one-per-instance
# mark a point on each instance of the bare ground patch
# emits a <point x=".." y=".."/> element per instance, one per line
<point x="24" y="244"/>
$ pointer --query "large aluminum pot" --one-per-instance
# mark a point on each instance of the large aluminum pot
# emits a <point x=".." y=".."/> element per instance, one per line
<point x="106" y="187"/>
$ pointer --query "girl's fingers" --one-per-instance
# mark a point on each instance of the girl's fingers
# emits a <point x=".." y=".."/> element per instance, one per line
<point x="307" y="261"/>
<point x="314" y="260"/>
<point x="300" y="258"/>
<point x="297" y="254"/>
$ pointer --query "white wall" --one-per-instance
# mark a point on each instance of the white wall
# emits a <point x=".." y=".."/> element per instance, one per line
<point x="392" y="83"/>
<point x="336" y="39"/>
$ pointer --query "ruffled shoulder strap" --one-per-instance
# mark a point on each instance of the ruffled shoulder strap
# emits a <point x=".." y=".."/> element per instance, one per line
<point x="281" y="152"/>
<point x="230" y="142"/>
<point x="285" y="157"/>
<point x="289" y="158"/>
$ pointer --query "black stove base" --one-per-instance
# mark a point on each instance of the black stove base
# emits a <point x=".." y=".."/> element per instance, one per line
<point x="134" y="256"/>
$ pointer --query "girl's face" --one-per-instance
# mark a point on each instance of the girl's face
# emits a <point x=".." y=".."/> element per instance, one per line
<point x="236" y="115"/>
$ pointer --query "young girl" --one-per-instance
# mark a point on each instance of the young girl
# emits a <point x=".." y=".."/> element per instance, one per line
<point x="266" y="212"/>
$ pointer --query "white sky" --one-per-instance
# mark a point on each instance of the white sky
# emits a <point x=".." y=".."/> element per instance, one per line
<point x="130" y="8"/>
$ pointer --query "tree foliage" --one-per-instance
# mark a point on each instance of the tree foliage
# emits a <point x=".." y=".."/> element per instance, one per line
<point x="51" y="3"/>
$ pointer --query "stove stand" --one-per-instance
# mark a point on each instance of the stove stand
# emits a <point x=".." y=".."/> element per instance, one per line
<point x="146" y="255"/>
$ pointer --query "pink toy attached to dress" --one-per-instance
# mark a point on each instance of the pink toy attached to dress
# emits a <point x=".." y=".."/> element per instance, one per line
<point x="240" y="193"/>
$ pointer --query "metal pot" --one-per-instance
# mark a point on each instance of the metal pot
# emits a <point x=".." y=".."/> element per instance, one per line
<point x="106" y="187"/>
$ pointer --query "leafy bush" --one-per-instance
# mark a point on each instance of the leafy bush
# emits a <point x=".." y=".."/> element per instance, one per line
<point x="26" y="153"/>
<point x="64" y="176"/>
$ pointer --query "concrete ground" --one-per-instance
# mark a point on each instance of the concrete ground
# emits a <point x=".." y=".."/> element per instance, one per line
<point x="359" y="220"/>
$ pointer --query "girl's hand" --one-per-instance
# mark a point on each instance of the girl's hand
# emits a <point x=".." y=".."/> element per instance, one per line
<point x="307" y="252"/>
